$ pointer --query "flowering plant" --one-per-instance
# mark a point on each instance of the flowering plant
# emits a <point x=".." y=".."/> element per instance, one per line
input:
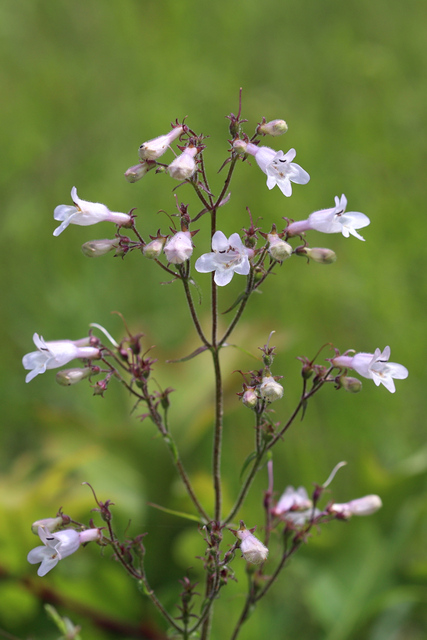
<point x="256" y="255"/>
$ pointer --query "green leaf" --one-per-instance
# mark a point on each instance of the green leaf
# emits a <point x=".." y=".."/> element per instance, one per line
<point x="192" y="355"/>
<point x="247" y="462"/>
<point x="180" y="514"/>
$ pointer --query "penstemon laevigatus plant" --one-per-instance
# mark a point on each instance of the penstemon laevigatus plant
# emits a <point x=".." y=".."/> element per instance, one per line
<point x="254" y="256"/>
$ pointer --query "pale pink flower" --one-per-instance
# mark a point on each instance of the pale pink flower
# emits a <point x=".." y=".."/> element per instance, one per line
<point x="85" y="213"/>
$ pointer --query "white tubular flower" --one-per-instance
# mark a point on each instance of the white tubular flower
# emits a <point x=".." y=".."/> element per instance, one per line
<point x="360" y="507"/>
<point x="57" y="546"/>
<point x="278" y="167"/>
<point x="375" y="366"/>
<point x="179" y="248"/>
<point x="270" y="390"/>
<point x="293" y="500"/>
<point x="184" y="165"/>
<point x="336" y="220"/>
<point x="229" y="256"/>
<point x="253" y="550"/>
<point x="153" y="149"/>
<point x="86" y="213"/>
<point x="51" y="355"/>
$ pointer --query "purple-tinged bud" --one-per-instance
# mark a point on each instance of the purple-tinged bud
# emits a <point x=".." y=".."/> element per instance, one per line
<point x="138" y="171"/>
<point x="270" y="390"/>
<point x="353" y="385"/>
<point x="154" y="248"/>
<point x="273" y="128"/>
<point x="250" y="398"/>
<point x="67" y="377"/>
<point x="95" y="248"/>
<point x="48" y="523"/>
<point x="184" y="166"/>
<point x="320" y="255"/>
<point x="179" y="248"/>
<point x="278" y="249"/>
<point x="360" y="507"/>
<point x="240" y="146"/>
<point x="153" y="149"/>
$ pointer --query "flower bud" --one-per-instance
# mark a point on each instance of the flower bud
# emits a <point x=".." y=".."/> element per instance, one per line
<point x="270" y="390"/>
<point x="240" y="146"/>
<point x="353" y="385"/>
<point x="250" y="398"/>
<point x="48" y="523"/>
<point x="179" y="248"/>
<point x="153" y="149"/>
<point x="154" y="248"/>
<point x="273" y="128"/>
<point x="95" y="248"/>
<point x="67" y="377"/>
<point x="323" y="256"/>
<point x="278" y="249"/>
<point x="360" y="507"/>
<point x="253" y="550"/>
<point x="184" y="165"/>
<point x="138" y="171"/>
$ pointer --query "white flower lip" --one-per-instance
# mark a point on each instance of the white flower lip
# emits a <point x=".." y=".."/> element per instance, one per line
<point x="336" y="220"/>
<point x="377" y="367"/>
<point x="85" y="213"/>
<point x="51" y="355"/>
<point x="57" y="546"/>
<point x="229" y="256"/>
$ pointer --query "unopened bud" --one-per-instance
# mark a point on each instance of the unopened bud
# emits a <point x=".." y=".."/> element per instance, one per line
<point x="278" y="249"/>
<point x="153" y="149"/>
<point x="67" y="377"/>
<point x="154" y="248"/>
<point x="270" y="390"/>
<point x="353" y="385"/>
<point x="48" y="523"/>
<point x="318" y="254"/>
<point x="95" y="248"/>
<point x="240" y="146"/>
<point x="360" y="507"/>
<point x="250" y="398"/>
<point x="273" y="128"/>
<point x="138" y="171"/>
<point x="184" y="165"/>
<point x="253" y="550"/>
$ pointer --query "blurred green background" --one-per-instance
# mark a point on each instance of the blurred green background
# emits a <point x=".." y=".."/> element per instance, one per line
<point x="83" y="85"/>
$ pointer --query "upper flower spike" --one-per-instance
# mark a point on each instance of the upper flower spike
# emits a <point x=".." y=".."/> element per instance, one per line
<point x="375" y="366"/>
<point x="86" y="213"/>
<point x="228" y="256"/>
<point x="278" y="167"/>
<point x="51" y="355"/>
